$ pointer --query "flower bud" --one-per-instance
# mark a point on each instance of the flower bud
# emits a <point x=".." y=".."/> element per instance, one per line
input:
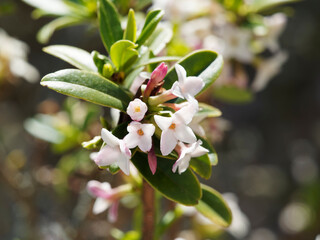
<point x="156" y="79"/>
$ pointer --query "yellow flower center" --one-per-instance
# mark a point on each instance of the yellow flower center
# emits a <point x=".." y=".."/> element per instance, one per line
<point x="137" y="109"/>
<point x="172" y="126"/>
<point x="140" y="132"/>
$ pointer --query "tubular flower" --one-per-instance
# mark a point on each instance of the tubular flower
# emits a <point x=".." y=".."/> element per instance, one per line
<point x="156" y="79"/>
<point x="186" y="87"/>
<point x="115" y="151"/>
<point x="137" y="109"/>
<point x="139" y="135"/>
<point x="175" y="128"/>
<point x="188" y="152"/>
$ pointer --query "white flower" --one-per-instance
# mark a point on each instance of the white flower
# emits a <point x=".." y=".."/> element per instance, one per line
<point x="115" y="151"/>
<point x="186" y="87"/>
<point x="139" y="135"/>
<point x="137" y="109"/>
<point x="188" y="152"/>
<point x="175" y="128"/>
<point x="267" y="70"/>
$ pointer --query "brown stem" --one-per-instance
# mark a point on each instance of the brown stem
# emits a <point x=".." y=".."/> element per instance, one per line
<point x="148" y="201"/>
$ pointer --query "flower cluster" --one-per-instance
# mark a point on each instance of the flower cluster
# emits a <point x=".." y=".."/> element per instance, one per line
<point x="176" y="134"/>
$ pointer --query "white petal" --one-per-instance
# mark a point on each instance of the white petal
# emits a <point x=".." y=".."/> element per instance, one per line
<point x="131" y="139"/>
<point x="134" y="126"/>
<point x="181" y="72"/>
<point x="123" y="164"/>
<point x="193" y="85"/>
<point x="175" y="90"/>
<point x="124" y="149"/>
<point x="168" y="142"/>
<point x="100" y="205"/>
<point x="96" y="189"/>
<point x="184" y="164"/>
<point x="109" y="138"/>
<point x="198" y="129"/>
<point x="148" y="129"/>
<point x="145" y="143"/>
<point x="107" y="156"/>
<point x="184" y="134"/>
<point x="163" y="122"/>
<point x="199" y="151"/>
<point x="186" y="113"/>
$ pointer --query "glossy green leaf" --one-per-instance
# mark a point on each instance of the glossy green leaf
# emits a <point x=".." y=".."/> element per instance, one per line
<point x="47" y="30"/>
<point x="260" y="5"/>
<point x="159" y="60"/>
<point x="152" y="20"/>
<point x="123" y="54"/>
<point x="75" y="56"/>
<point x="203" y="63"/>
<point x="232" y="94"/>
<point x="184" y="188"/>
<point x="53" y="7"/>
<point x="88" y="86"/>
<point x="110" y="26"/>
<point x="214" y="207"/>
<point x="159" y="39"/>
<point x="208" y="111"/>
<point x="131" y="29"/>
<point x="212" y="154"/>
<point x="202" y="166"/>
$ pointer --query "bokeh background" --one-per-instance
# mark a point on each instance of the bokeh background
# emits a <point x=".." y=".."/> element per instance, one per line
<point x="268" y="157"/>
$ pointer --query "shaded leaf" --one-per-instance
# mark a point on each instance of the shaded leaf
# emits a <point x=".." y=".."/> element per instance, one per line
<point x="75" y="56"/>
<point x="214" y="207"/>
<point x="260" y="5"/>
<point x="88" y="86"/>
<point x="212" y="154"/>
<point x="182" y="188"/>
<point x="202" y="166"/>
<point x="232" y="94"/>
<point x="208" y="110"/>
<point x="159" y="60"/>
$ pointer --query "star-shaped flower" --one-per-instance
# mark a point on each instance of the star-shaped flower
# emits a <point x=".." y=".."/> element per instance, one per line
<point x="115" y="151"/>
<point x="175" y="128"/>
<point x="188" y="152"/>
<point x="186" y="87"/>
<point x="139" y="135"/>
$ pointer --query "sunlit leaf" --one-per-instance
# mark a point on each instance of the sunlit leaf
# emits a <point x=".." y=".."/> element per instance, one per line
<point x="53" y="7"/>
<point x="75" y="56"/>
<point x="159" y="60"/>
<point x="208" y="110"/>
<point x="88" y="86"/>
<point x="214" y="207"/>
<point x="123" y="54"/>
<point x="159" y="38"/>
<point x="131" y="29"/>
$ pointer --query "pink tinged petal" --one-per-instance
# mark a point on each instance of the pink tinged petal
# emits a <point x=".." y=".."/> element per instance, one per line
<point x="181" y="72"/>
<point x="137" y="109"/>
<point x="163" y="122"/>
<point x="93" y="156"/>
<point x="124" y="149"/>
<point x="109" y="138"/>
<point x="193" y="85"/>
<point x="96" y="189"/>
<point x="100" y="205"/>
<point x="145" y="143"/>
<point x="107" y="156"/>
<point x="113" y="212"/>
<point x="175" y="89"/>
<point x="168" y="142"/>
<point x="156" y="78"/>
<point x="131" y="139"/>
<point x="123" y="164"/>
<point x="152" y="160"/>
<point x="184" y="134"/>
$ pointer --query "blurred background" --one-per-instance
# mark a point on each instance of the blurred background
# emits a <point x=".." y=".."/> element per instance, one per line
<point x="268" y="149"/>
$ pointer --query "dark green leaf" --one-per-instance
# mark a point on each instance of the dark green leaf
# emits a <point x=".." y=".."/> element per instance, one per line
<point x="202" y="166"/>
<point x="88" y="86"/>
<point x="203" y="63"/>
<point x="131" y="29"/>
<point x="75" y="56"/>
<point x="110" y="26"/>
<point x="214" y="207"/>
<point x="182" y="188"/>
<point x="152" y="20"/>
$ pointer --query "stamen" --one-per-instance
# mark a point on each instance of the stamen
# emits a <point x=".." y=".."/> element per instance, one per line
<point x="140" y="132"/>
<point x="172" y="126"/>
<point x="137" y="109"/>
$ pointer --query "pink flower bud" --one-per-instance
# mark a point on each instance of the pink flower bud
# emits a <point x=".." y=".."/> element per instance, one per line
<point x="156" y="78"/>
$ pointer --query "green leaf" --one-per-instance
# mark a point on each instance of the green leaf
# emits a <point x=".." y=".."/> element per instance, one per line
<point x="202" y="166"/>
<point x="110" y="26"/>
<point x="152" y="20"/>
<point x="93" y="144"/>
<point x="214" y="207"/>
<point x="212" y="154"/>
<point x="159" y="38"/>
<point x="208" y="111"/>
<point x="261" y="5"/>
<point x="75" y="56"/>
<point x="123" y="54"/>
<point x="159" y="60"/>
<point x="182" y="188"/>
<point x="47" y="30"/>
<point x="53" y="7"/>
<point x="232" y="94"/>
<point x="88" y="86"/>
<point x="131" y="29"/>
<point x="203" y="63"/>
<point x="100" y="60"/>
